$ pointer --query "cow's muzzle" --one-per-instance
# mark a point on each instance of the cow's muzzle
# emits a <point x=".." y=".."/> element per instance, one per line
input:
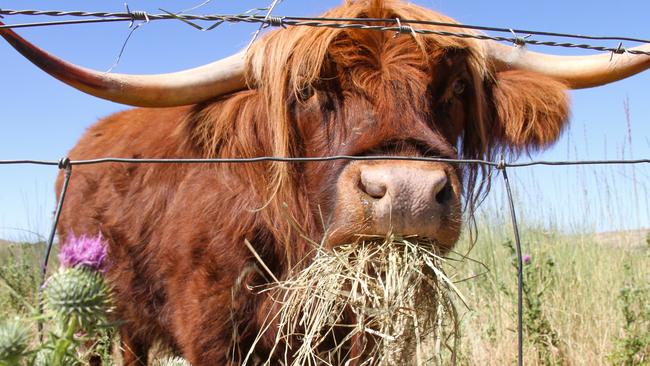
<point x="400" y="197"/>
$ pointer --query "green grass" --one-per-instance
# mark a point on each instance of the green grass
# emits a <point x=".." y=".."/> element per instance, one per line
<point x="20" y="276"/>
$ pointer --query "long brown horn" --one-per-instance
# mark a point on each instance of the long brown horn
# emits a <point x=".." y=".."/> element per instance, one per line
<point x="163" y="90"/>
<point x="575" y="71"/>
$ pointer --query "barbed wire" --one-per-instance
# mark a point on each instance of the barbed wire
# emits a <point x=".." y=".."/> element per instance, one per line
<point x="341" y="23"/>
<point x="140" y="16"/>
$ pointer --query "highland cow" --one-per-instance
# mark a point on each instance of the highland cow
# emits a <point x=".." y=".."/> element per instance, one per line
<point x="179" y="268"/>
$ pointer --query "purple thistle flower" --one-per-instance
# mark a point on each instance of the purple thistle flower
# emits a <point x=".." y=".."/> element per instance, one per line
<point x="526" y="258"/>
<point x="84" y="251"/>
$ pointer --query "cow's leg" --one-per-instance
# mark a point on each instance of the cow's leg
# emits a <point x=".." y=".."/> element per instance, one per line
<point x="134" y="349"/>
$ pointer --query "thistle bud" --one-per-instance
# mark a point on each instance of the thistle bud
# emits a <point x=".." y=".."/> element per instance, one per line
<point x="14" y="338"/>
<point x="45" y="357"/>
<point x="77" y="292"/>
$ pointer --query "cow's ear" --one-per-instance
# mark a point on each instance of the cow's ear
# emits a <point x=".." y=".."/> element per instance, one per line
<point x="530" y="110"/>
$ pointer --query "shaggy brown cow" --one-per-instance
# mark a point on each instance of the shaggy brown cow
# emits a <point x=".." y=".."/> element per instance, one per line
<point x="176" y="232"/>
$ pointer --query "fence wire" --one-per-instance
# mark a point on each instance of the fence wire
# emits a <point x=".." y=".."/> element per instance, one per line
<point x="494" y="164"/>
<point x="401" y="26"/>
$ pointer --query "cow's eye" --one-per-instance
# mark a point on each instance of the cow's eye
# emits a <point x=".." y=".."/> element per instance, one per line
<point x="306" y="93"/>
<point x="458" y="87"/>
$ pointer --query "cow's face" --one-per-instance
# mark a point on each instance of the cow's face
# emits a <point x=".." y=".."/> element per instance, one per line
<point x="387" y="98"/>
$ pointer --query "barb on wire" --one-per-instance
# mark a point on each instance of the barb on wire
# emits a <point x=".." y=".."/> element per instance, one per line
<point x="520" y="41"/>
<point x="263" y="25"/>
<point x="344" y="23"/>
<point x="135" y="15"/>
<point x="619" y="50"/>
<point x="403" y="29"/>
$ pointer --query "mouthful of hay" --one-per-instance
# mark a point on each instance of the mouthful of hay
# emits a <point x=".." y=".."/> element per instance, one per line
<point x="378" y="301"/>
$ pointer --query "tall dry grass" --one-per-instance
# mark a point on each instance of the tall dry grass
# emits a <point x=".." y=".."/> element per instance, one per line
<point x="579" y="299"/>
<point x="585" y="229"/>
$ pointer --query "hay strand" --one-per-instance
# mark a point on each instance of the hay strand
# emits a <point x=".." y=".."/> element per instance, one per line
<point x="378" y="301"/>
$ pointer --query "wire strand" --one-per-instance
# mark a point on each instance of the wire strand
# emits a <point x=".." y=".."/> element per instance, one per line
<point x="494" y="164"/>
<point x="341" y="23"/>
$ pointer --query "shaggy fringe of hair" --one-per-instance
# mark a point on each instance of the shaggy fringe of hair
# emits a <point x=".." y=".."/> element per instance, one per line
<point x="281" y="65"/>
<point x="289" y="61"/>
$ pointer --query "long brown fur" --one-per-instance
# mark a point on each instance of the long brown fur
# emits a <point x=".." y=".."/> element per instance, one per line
<point x="179" y="269"/>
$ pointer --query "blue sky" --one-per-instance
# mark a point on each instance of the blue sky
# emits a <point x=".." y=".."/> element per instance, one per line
<point x="42" y="118"/>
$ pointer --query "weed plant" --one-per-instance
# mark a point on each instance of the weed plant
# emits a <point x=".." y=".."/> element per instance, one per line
<point x="632" y="347"/>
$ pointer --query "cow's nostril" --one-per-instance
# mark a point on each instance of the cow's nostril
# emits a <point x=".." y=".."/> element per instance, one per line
<point x="373" y="185"/>
<point x="444" y="195"/>
<point x="374" y="189"/>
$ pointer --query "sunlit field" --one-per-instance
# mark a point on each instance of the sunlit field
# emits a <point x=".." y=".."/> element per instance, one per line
<point x="578" y="290"/>
<point x="574" y="304"/>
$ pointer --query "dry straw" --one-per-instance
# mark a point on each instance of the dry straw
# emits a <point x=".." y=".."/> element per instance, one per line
<point x="378" y="301"/>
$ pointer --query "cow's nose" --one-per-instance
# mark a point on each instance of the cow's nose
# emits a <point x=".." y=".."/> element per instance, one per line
<point x="406" y="199"/>
<point x="410" y="185"/>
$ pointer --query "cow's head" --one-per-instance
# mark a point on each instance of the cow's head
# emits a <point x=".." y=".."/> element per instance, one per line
<point x="351" y="92"/>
